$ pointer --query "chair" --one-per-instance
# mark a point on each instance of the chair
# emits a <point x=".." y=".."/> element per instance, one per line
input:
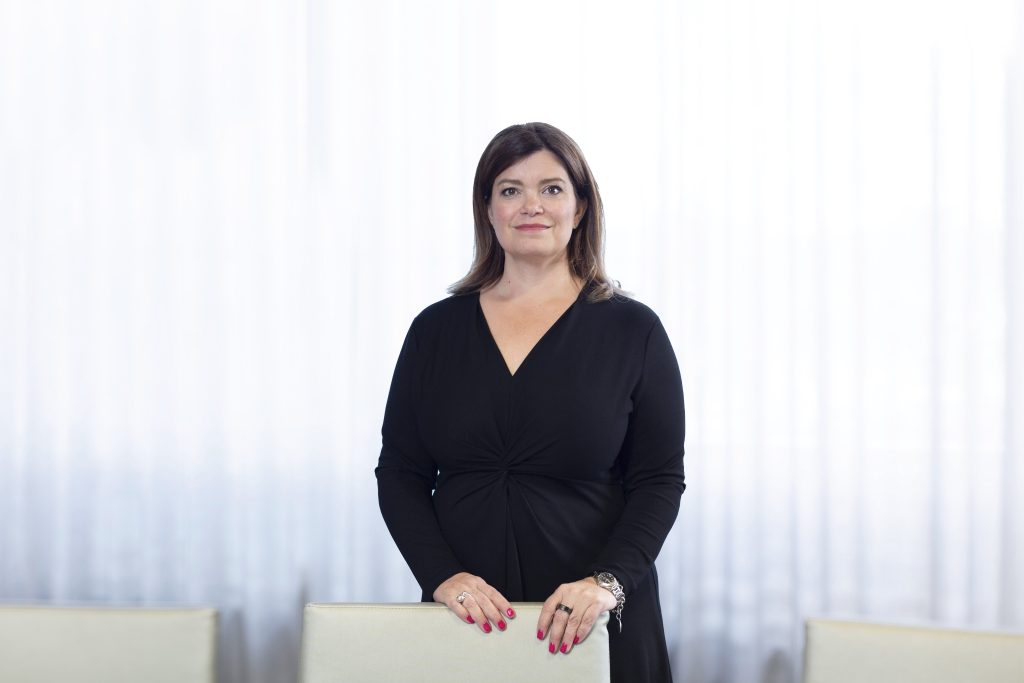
<point x="107" y="645"/>
<point x="851" y="651"/>
<point x="427" y="643"/>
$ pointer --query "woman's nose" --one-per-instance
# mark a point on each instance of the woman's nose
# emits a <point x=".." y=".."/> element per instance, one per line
<point x="532" y="204"/>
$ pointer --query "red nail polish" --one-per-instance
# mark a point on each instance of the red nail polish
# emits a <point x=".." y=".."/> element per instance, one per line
<point x="565" y="648"/>
<point x="487" y="628"/>
<point x="576" y="640"/>
<point x="551" y="648"/>
<point x="511" y="613"/>
<point x="540" y="635"/>
<point x="501" y="624"/>
<point x="469" y="618"/>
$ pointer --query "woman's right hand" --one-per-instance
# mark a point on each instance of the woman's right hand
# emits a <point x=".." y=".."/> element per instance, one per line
<point x="483" y="605"/>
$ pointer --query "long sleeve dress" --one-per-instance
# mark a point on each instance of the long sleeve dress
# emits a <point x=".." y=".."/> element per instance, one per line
<point x="574" y="464"/>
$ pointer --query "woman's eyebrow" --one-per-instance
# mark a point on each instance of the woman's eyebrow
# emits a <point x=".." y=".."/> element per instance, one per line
<point x="509" y="181"/>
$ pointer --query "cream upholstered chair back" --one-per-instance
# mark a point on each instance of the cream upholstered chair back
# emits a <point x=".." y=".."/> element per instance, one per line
<point x="858" y="652"/>
<point x="103" y="645"/>
<point x="426" y="643"/>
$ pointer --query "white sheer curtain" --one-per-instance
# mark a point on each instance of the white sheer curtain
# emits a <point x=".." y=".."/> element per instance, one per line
<point x="218" y="218"/>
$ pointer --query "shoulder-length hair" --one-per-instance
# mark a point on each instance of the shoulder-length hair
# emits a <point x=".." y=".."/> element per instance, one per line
<point x="586" y="245"/>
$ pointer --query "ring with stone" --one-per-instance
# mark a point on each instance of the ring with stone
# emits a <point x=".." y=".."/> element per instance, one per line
<point x="462" y="597"/>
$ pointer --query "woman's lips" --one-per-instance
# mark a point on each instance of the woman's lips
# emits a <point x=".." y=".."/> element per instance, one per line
<point x="531" y="227"/>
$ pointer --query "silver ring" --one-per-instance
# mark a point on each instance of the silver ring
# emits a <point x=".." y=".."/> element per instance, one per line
<point x="462" y="597"/>
<point x="564" y="608"/>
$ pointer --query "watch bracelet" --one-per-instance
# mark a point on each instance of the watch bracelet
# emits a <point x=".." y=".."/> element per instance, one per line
<point x="617" y="592"/>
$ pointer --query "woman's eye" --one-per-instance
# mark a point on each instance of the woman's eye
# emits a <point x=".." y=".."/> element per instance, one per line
<point x="553" y="189"/>
<point x="508" y="192"/>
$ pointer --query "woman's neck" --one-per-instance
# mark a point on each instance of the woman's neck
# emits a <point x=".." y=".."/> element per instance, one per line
<point x="531" y="281"/>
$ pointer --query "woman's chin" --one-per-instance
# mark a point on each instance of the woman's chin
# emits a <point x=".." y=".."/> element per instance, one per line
<point x="536" y="250"/>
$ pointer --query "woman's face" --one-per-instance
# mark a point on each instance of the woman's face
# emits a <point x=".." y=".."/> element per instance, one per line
<point x="533" y="208"/>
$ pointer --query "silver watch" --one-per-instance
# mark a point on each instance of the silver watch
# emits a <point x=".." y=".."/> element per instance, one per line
<point x="610" y="583"/>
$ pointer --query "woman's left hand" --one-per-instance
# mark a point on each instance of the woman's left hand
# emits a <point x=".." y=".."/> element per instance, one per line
<point x="586" y="599"/>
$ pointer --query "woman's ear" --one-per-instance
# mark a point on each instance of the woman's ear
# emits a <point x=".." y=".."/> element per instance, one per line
<point x="580" y="210"/>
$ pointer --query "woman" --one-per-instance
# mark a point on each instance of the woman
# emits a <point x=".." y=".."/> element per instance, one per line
<point x="533" y="435"/>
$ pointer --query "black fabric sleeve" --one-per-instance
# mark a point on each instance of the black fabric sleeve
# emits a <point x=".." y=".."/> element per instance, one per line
<point x="406" y="477"/>
<point x="652" y="463"/>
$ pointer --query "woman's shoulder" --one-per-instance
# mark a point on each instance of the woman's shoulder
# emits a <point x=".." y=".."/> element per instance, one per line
<point x="623" y="310"/>
<point x="443" y="313"/>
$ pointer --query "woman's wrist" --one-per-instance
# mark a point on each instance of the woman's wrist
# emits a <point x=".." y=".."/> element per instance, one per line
<point x="611" y="584"/>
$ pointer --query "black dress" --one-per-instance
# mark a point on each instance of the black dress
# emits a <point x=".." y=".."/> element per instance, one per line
<point x="573" y="464"/>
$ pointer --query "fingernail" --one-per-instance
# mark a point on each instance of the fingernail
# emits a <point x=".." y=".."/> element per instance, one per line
<point x="540" y="635"/>
<point x="511" y="613"/>
<point x="501" y="624"/>
<point x="565" y="648"/>
<point x="576" y="640"/>
<point x="470" y="619"/>
<point x="487" y="628"/>
<point x="551" y="648"/>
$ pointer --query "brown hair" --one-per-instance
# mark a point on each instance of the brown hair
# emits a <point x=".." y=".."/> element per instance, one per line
<point x="586" y="246"/>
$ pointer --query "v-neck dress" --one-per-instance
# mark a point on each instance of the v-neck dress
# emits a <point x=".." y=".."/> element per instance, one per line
<point x="574" y="464"/>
